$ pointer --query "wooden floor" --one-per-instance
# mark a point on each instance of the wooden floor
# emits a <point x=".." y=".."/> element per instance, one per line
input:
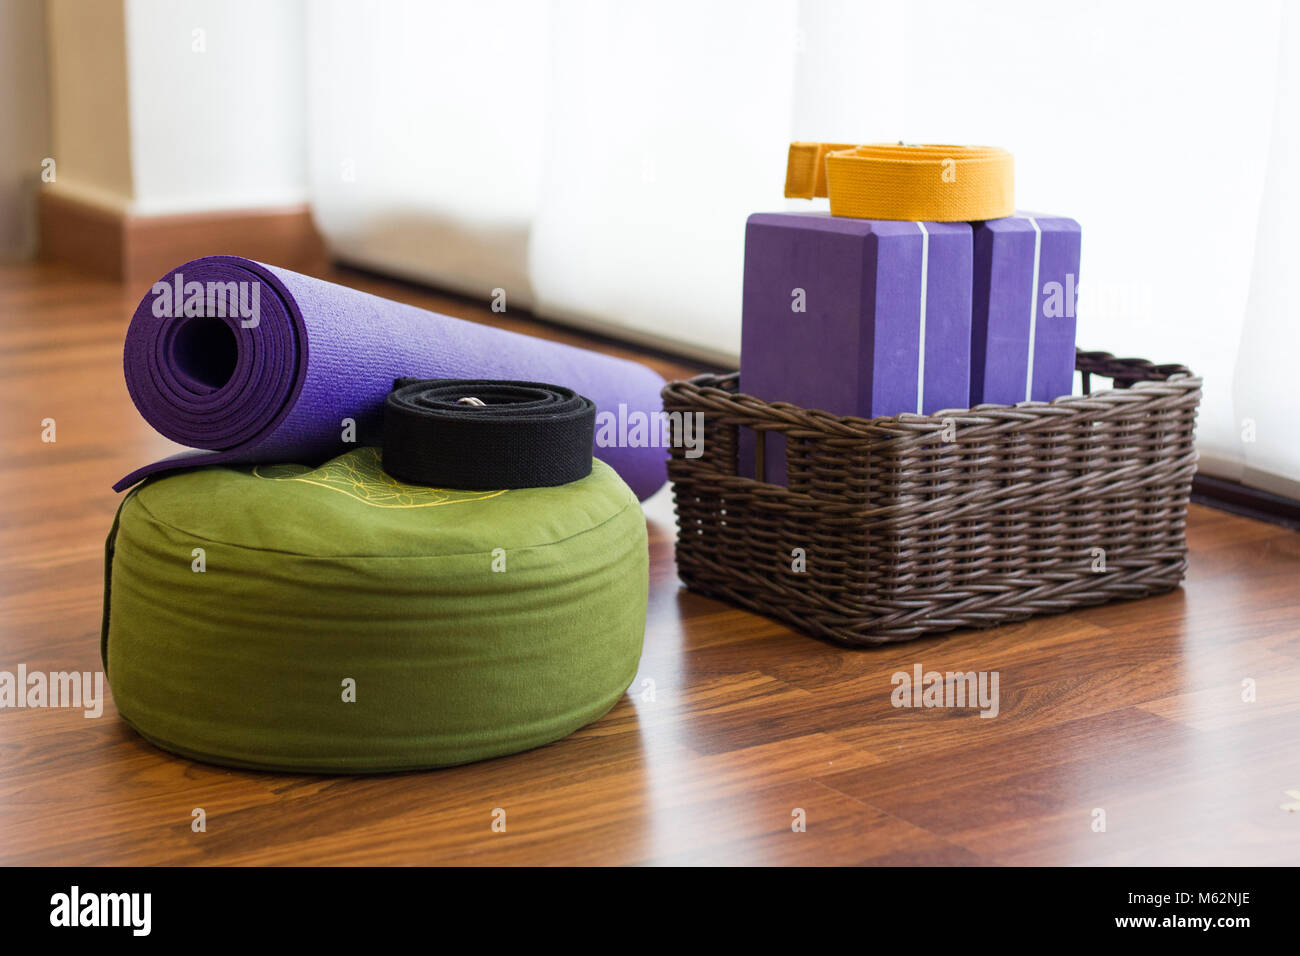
<point x="1133" y="708"/>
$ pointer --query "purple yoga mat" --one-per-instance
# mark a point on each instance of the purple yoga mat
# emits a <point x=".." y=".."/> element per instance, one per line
<point x="268" y="364"/>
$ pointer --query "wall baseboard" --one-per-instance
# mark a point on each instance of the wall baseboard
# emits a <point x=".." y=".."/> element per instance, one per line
<point x="136" y="250"/>
<point x="1239" y="499"/>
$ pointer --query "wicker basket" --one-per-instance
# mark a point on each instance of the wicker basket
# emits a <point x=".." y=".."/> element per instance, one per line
<point x="916" y="524"/>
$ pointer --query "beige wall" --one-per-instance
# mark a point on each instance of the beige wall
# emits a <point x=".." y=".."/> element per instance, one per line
<point x="24" y="130"/>
<point x="177" y="106"/>
<point x="88" y="100"/>
<point x="218" y="104"/>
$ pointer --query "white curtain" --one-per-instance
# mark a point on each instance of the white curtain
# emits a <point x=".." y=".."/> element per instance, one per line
<point x="597" y="160"/>
<point x="428" y="127"/>
<point x="1264" y="400"/>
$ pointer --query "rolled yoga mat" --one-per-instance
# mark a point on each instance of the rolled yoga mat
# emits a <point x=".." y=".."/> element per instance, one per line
<point x="268" y="365"/>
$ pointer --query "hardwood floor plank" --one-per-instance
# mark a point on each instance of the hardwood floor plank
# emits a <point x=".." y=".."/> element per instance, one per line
<point x="732" y="722"/>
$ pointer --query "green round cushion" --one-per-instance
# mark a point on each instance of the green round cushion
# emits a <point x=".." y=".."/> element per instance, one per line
<point x="336" y="620"/>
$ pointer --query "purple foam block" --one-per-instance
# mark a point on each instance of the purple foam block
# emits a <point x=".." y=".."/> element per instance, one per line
<point x="319" y="353"/>
<point x="868" y="342"/>
<point x="1025" y="286"/>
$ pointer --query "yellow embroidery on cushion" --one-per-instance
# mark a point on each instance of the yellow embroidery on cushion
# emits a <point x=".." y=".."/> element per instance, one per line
<point x="360" y="475"/>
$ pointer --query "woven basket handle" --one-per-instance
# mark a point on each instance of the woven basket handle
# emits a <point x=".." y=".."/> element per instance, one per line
<point x="1124" y="372"/>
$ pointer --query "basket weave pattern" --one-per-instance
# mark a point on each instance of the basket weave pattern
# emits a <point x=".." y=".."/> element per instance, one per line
<point x="916" y="524"/>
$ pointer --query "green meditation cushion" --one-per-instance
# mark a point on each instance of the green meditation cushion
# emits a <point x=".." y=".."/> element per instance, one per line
<point x="333" y="619"/>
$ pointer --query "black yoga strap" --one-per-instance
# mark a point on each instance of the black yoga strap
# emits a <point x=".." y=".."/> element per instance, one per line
<point x="482" y="434"/>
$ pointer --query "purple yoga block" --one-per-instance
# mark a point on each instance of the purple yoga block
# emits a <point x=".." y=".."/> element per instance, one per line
<point x="867" y="342"/>
<point x="1011" y="308"/>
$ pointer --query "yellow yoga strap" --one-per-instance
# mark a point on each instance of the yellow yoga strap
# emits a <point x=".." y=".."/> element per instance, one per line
<point x="918" y="183"/>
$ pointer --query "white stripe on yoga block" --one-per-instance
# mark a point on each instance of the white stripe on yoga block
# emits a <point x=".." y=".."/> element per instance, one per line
<point x="1033" y="309"/>
<point x="920" y="354"/>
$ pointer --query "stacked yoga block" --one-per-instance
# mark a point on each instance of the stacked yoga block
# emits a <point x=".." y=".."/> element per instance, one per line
<point x="392" y="549"/>
<point x="1023" y="309"/>
<point x="866" y="312"/>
